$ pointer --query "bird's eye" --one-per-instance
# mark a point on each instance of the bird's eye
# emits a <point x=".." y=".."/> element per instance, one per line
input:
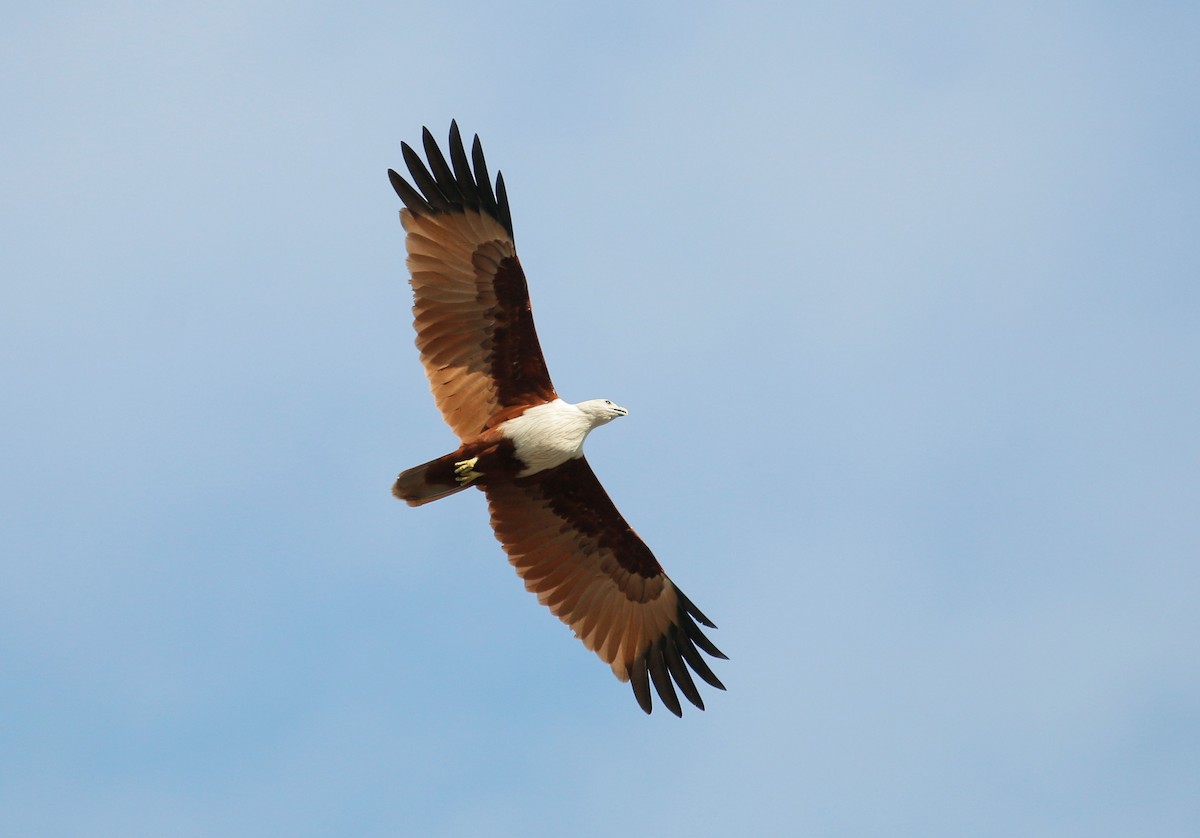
<point x="606" y="401"/>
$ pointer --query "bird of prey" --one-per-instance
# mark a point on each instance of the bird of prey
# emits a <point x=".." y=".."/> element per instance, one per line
<point x="521" y="443"/>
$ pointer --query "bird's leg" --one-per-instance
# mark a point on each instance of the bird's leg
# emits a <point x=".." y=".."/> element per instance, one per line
<point x="464" y="471"/>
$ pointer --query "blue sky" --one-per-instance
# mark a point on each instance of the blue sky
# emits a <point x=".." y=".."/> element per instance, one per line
<point x="905" y="305"/>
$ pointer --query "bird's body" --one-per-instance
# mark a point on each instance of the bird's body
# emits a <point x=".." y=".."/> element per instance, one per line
<point x="521" y="443"/>
<point x="536" y="439"/>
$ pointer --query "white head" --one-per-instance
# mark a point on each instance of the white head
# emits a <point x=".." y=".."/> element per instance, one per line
<point x="600" y="411"/>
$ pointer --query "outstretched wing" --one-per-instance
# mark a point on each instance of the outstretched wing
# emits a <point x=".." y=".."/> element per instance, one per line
<point x="574" y="550"/>
<point x="472" y="315"/>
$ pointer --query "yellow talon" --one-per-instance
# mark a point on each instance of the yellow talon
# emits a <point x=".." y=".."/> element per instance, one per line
<point x="464" y="471"/>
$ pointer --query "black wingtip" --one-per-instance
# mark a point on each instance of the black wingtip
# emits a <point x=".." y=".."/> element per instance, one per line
<point x="668" y="662"/>
<point x="639" y="680"/>
<point x="690" y="607"/>
<point x="462" y="169"/>
<point x="483" y="180"/>
<point x="502" y="202"/>
<point x="699" y="638"/>
<point x="410" y="196"/>
<point x="451" y="185"/>
<point x="662" y="679"/>
<point x="447" y="183"/>
<point x="679" y="670"/>
<point x="698" y="664"/>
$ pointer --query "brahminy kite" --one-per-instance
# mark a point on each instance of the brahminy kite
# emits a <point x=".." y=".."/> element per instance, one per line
<point x="522" y="444"/>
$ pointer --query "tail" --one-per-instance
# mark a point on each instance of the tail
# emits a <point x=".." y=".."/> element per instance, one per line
<point x="418" y="486"/>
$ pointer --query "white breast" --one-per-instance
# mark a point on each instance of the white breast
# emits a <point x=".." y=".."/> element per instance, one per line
<point x="547" y="435"/>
